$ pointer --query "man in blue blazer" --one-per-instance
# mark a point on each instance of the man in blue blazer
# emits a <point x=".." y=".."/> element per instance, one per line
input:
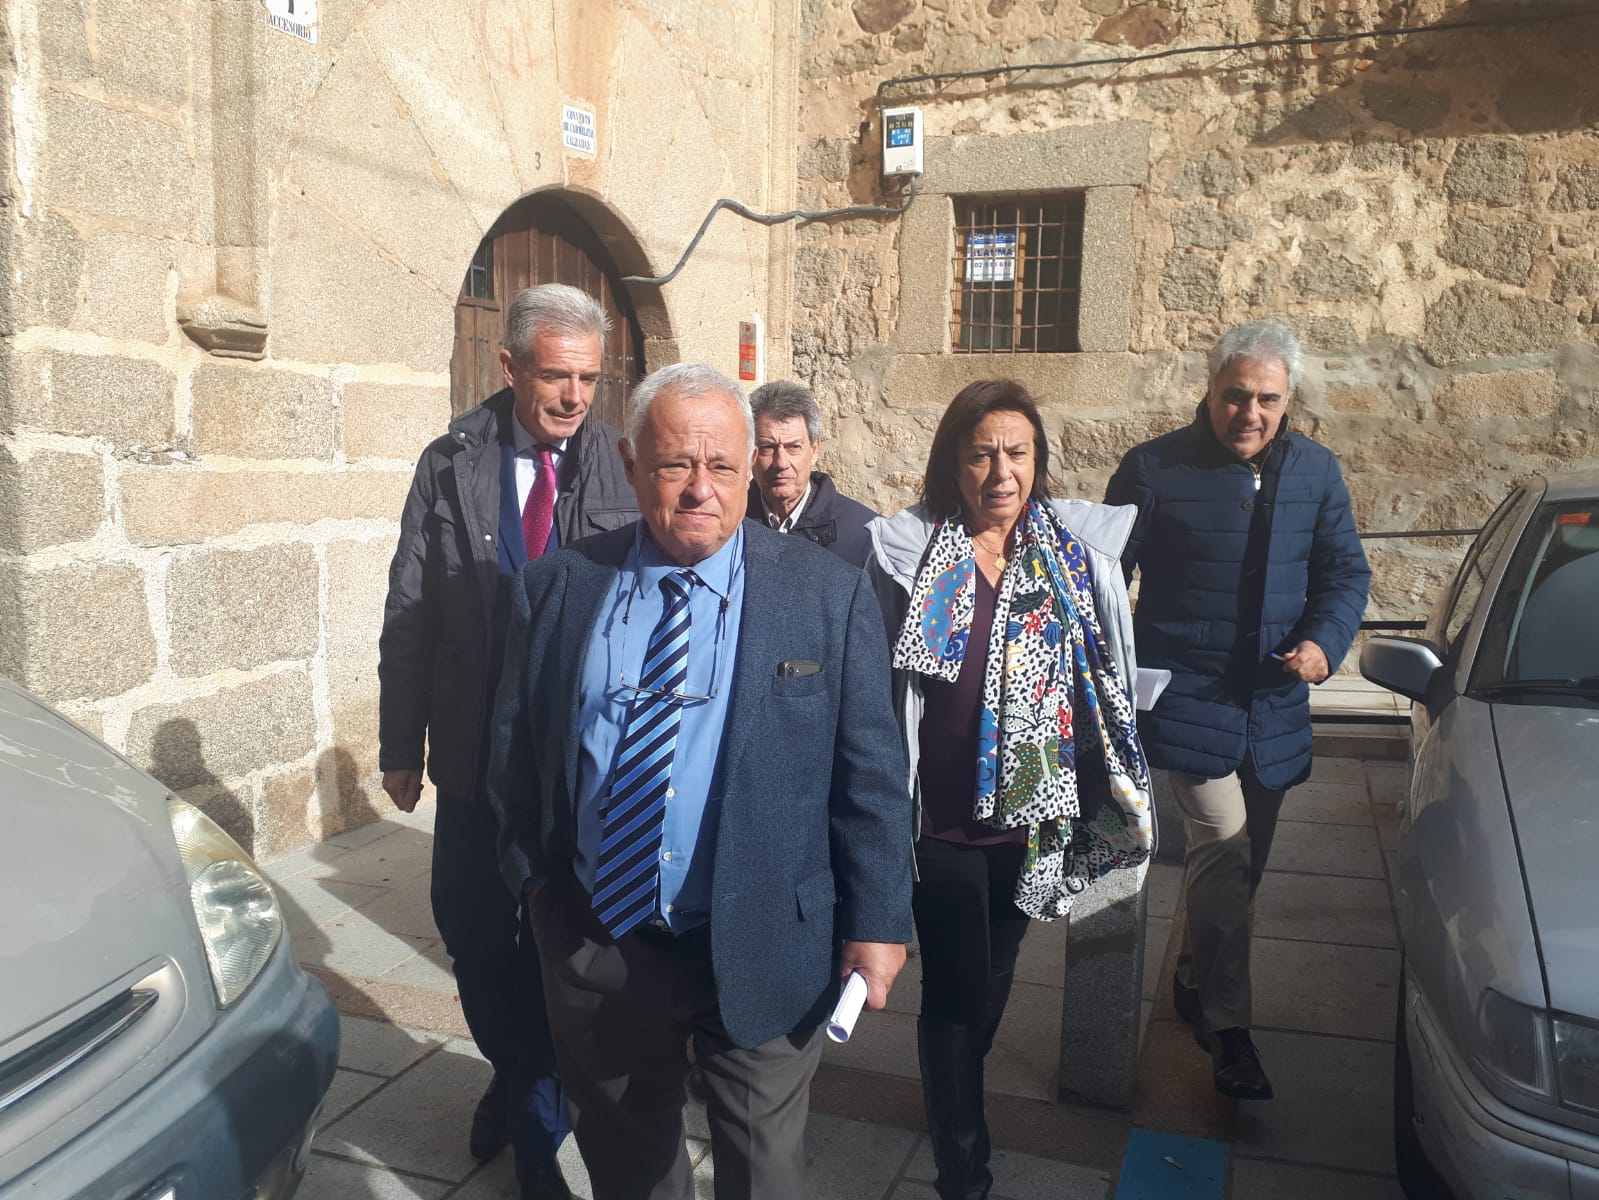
<point x="1252" y="587"/>
<point x="702" y="796"/>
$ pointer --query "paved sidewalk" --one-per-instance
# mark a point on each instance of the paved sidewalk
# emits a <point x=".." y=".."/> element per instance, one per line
<point x="1325" y="968"/>
<point x="395" y="1129"/>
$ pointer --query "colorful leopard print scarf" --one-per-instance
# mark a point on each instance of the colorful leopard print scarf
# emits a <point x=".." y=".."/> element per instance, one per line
<point x="1058" y="748"/>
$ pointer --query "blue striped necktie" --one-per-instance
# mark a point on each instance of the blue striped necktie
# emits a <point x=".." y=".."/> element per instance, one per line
<point x="627" y="872"/>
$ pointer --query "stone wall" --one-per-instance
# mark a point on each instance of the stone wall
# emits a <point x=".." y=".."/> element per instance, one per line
<point x="1425" y="210"/>
<point x="231" y="261"/>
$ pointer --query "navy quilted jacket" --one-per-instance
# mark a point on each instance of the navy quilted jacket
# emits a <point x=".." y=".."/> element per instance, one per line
<point x="1233" y="569"/>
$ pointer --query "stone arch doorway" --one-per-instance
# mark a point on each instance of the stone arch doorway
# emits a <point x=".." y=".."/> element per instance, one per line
<point x="540" y="239"/>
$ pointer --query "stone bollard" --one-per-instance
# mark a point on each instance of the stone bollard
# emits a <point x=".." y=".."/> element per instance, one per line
<point x="1102" y="1007"/>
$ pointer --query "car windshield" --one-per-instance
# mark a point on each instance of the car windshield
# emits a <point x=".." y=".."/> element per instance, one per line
<point x="1541" y="642"/>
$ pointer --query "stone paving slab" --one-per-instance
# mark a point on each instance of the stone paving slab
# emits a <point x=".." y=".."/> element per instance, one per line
<point x="1157" y="933"/>
<point x="286" y="866"/>
<point x="419" y="1122"/>
<point x="496" y="1179"/>
<point x="401" y="853"/>
<point x="1325" y="908"/>
<point x="401" y="857"/>
<point x="381" y="1048"/>
<point x="349" y="1089"/>
<point x="1319" y="849"/>
<point x="1326" y="768"/>
<point x="1334" y="1103"/>
<point x="428" y="969"/>
<point x="1387" y="825"/>
<point x="1162" y="886"/>
<point x="1387" y="782"/>
<point x="373" y="831"/>
<point x="405" y="910"/>
<point x="334" y="1179"/>
<point x="1043" y="954"/>
<point x="309" y="901"/>
<point x="883" y="1043"/>
<point x="846" y="1160"/>
<point x="1328" y="803"/>
<point x="1175" y="1092"/>
<point x="355" y="945"/>
<point x="1254" y="1179"/>
<point x="1318" y="988"/>
<point x="1023" y="1176"/>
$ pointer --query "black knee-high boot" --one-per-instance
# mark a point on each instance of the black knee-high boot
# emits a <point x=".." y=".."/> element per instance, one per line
<point x="952" y="1095"/>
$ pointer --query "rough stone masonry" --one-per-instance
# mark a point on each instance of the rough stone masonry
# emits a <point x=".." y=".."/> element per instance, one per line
<point x="1424" y="210"/>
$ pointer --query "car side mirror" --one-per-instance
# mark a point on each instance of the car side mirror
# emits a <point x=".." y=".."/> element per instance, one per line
<point x="1401" y="664"/>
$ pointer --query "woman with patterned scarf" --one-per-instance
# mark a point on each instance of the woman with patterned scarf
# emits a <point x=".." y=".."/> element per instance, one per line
<point x="1013" y="671"/>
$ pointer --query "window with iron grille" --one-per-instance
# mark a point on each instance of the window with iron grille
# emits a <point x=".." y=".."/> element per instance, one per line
<point x="480" y="275"/>
<point x="1018" y="274"/>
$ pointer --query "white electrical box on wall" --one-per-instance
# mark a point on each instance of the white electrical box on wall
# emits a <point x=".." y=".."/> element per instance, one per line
<point x="902" y="141"/>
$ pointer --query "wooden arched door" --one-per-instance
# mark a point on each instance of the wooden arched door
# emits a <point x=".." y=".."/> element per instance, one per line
<point x="540" y="239"/>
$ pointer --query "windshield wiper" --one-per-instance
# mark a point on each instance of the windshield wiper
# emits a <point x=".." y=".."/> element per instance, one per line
<point x="1587" y="685"/>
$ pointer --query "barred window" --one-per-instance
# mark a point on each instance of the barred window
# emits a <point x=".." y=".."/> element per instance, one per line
<point x="480" y="275"/>
<point x="1018" y="274"/>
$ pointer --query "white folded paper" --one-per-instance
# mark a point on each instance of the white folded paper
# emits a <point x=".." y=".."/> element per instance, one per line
<point x="1151" y="683"/>
<point x="842" y="1023"/>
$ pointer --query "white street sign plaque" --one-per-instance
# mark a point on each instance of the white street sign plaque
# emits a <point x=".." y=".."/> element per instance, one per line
<point x="297" y="18"/>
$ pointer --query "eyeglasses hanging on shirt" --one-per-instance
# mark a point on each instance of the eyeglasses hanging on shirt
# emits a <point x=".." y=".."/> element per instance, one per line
<point x="683" y="697"/>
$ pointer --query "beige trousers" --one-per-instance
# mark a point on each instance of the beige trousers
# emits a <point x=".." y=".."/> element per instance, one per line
<point x="1230" y="823"/>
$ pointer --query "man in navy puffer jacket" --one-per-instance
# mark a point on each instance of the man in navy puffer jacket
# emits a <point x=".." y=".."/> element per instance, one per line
<point x="1252" y="587"/>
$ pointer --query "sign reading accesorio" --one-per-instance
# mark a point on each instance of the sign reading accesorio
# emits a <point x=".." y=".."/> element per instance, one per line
<point x="297" y="18"/>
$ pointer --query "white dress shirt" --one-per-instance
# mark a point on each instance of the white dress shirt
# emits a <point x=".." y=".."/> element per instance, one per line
<point x="786" y="524"/>
<point x="527" y="461"/>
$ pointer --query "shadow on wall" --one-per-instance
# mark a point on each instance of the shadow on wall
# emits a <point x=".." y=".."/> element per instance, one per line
<point x="343" y="801"/>
<point x="177" y="759"/>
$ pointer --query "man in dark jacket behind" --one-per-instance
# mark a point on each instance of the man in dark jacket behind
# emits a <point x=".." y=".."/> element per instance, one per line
<point x="517" y="476"/>
<point x="1253" y="583"/>
<point x="787" y="493"/>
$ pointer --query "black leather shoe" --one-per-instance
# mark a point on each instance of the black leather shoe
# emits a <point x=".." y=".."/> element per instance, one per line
<point x="541" y="1179"/>
<point x="1235" y="1066"/>
<point x="489" y="1133"/>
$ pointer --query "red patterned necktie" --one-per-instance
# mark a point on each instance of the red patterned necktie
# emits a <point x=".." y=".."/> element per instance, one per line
<point x="539" y="512"/>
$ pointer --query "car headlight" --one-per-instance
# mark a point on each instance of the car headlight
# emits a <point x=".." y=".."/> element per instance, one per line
<point x="1513" y="1044"/>
<point x="238" y="915"/>
<point x="1577" y="1063"/>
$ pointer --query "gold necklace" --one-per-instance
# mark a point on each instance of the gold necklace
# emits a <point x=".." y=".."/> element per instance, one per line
<point x="999" y="560"/>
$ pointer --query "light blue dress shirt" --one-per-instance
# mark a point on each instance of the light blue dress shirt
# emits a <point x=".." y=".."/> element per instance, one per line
<point x="627" y="617"/>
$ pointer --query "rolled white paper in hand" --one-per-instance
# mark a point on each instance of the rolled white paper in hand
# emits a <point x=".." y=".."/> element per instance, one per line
<point x="842" y="1023"/>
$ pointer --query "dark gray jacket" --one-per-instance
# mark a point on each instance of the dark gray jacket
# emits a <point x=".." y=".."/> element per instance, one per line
<point x="831" y="519"/>
<point x="437" y="657"/>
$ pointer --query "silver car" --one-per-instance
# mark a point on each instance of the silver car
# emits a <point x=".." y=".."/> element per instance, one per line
<point x="1496" y="1073"/>
<point x="157" y="1039"/>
